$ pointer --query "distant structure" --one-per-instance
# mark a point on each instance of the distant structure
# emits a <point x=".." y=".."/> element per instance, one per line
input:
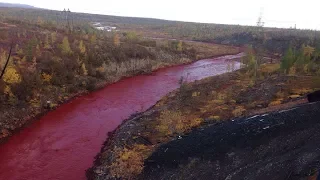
<point x="293" y="27"/>
<point x="68" y="16"/>
<point x="100" y="27"/>
<point x="65" y="13"/>
<point x="260" y="23"/>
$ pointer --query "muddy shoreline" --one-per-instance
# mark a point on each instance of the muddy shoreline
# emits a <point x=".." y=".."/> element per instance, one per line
<point x="90" y="174"/>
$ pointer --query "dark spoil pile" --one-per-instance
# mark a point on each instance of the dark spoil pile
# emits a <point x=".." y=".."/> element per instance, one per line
<point x="280" y="145"/>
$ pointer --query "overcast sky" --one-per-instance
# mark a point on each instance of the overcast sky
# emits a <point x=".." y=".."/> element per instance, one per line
<point x="275" y="13"/>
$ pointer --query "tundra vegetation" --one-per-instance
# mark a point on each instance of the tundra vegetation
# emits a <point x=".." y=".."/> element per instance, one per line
<point x="263" y="84"/>
<point x="54" y="59"/>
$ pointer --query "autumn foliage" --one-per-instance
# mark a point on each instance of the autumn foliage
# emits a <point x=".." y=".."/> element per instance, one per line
<point x="52" y="62"/>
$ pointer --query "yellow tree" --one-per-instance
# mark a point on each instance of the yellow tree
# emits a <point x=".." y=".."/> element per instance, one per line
<point x="65" y="46"/>
<point x="116" y="40"/>
<point x="33" y="66"/>
<point x="250" y="61"/>
<point x="102" y="69"/>
<point x="40" y="20"/>
<point x="78" y="61"/>
<point x="308" y="50"/>
<point x="38" y="50"/>
<point x="24" y="33"/>
<point x="82" y="47"/>
<point x="131" y="36"/>
<point x="17" y="48"/>
<point x="46" y="42"/>
<point x="3" y="58"/>
<point x="53" y="37"/>
<point x="84" y="69"/>
<point x="179" y="46"/>
<point x="46" y="77"/>
<point x="8" y="92"/>
<point x="24" y="59"/>
<point x="11" y="76"/>
<point x="93" y="39"/>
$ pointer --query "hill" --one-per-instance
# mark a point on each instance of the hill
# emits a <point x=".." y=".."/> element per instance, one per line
<point x="11" y="5"/>
<point x="270" y="40"/>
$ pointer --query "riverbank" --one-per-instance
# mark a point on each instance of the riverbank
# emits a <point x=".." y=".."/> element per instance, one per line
<point x="13" y="118"/>
<point x="76" y="130"/>
<point x="195" y="105"/>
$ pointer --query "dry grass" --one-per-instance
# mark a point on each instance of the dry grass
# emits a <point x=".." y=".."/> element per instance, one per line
<point x="217" y="99"/>
<point x="216" y="118"/>
<point x="269" y="68"/>
<point x="174" y="122"/>
<point x="129" y="161"/>
<point x="170" y="122"/>
<point x="213" y="99"/>
<point x="301" y="91"/>
<point x="206" y="50"/>
<point x="276" y="102"/>
<point x="239" y="111"/>
<point x="195" y="94"/>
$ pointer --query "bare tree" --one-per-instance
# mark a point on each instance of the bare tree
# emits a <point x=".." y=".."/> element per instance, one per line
<point x="5" y="66"/>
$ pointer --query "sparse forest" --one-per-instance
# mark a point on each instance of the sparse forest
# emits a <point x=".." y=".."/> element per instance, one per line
<point x="56" y="56"/>
<point x="49" y="57"/>
<point x="273" y="40"/>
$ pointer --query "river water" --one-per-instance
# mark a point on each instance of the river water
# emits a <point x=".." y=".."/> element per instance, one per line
<point x="63" y="143"/>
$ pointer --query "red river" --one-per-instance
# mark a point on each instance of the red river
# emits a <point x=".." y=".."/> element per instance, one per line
<point x="63" y="143"/>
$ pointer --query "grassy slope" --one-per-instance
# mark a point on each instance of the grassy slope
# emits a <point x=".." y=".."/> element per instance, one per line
<point x="198" y="104"/>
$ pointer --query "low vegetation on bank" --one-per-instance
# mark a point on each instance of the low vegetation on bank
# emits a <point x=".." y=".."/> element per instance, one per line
<point x="49" y="65"/>
<point x="263" y="85"/>
<point x="57" y="55"/>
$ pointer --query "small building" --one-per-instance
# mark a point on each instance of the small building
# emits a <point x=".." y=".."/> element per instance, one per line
<point x="100" y="27"/>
